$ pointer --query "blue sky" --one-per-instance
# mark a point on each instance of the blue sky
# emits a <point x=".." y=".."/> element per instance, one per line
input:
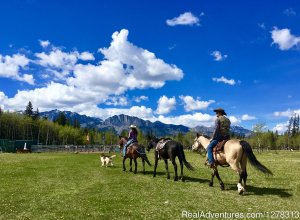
<point x="173" y="61"/>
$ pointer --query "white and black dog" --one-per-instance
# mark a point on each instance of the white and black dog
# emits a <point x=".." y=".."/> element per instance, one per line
<point x="106" y="160"/>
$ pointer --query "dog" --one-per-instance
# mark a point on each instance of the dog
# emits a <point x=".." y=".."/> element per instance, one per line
<point x="106" y="160"/>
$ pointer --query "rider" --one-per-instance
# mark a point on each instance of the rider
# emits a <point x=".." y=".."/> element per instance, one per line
<point x="222" y="132"/>
<point x="132" y="137"/>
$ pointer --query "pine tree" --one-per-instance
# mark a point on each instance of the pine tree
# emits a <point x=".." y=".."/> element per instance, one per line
<point x="36" y="114"/>
<point x="61" y="119"/>
<point x="29" y="110"/>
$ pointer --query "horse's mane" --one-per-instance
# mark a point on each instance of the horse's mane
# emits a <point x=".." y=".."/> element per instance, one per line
<point x="204" y="135"/>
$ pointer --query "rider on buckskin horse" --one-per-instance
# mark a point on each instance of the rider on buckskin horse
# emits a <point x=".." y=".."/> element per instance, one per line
<point x="222" y="132"/>
<point x="132" y="137"/>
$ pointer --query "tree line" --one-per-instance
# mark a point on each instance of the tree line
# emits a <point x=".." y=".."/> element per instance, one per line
<point x="28" y="125"/>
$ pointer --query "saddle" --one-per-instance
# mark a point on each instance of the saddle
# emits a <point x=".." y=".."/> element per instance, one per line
<point x="161" y="143"/>
<point x="220" y="146"/>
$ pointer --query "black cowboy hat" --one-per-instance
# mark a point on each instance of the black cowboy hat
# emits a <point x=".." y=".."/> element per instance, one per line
<point x="220" y="110"/>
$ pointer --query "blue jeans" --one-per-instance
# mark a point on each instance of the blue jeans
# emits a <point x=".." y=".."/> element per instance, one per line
<point x="210" y="147"/>
<point x="125" y="147"/>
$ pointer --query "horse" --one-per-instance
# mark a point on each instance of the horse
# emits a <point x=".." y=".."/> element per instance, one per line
<point x="171" y="150"/>
<point x="134" y="151"/>
<point x="235" y="155"/>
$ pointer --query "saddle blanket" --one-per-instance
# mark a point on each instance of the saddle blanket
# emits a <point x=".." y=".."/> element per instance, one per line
<point x="161" y="144"/>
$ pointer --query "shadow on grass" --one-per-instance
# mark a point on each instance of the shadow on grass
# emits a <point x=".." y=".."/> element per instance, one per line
<point x="260" y="191"/>
<point x="194" y="179"/>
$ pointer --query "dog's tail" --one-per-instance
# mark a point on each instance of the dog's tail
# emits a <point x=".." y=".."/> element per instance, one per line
<point x="113" y="156"/>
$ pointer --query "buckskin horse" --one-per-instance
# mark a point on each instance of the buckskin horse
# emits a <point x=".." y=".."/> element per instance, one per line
<point x="235" y="155"/>
<point x="171" y="150"/>
<point x="134" y="151"/>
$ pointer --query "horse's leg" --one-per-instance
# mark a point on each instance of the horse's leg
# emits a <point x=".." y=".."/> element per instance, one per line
<point x="175" y="169"/>
<point x="124" y="168"/>
<point x="211" y="183"/>
<point x="181" y="169"/>
<point x="219" y="178"/>
<point x="135" y="165"/>
<point x="143" y="161"/>
<point x="155" y="164"/>
<point x="244" y="170"/>
<point x="167" y="169"/>
<point x="235" y="165"/>
<point x="130" y="165"/>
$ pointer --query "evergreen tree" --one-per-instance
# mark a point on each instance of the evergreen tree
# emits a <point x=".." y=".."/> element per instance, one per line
<point x="29" y="110"/>
<point x="61" y="119"/>
<point x="36" y="115"/>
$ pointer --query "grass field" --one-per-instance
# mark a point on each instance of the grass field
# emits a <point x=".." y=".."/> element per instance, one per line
<point x="75" y="186"/>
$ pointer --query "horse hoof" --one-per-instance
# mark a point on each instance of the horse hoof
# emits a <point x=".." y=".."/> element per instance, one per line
<point x="182" y="180"/>
<point x="135" y="172"/>
<point x="222" y="187"/>
<point x="176" y="179"/>
<point x="211" y="184"/>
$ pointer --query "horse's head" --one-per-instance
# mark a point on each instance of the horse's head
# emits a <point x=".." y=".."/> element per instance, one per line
<point x="122" y="141"/>
<point x="151" y="143"/>
<point x="197" y="144"/>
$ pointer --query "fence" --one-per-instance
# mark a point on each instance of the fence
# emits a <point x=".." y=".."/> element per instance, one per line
<point x="74" y="148"/>
<point x="7" y="146"/>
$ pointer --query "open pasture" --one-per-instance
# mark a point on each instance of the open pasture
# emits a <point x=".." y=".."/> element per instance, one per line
<point x="75" y="186"/>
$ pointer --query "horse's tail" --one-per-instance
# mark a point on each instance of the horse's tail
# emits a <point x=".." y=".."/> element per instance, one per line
<point x="254" y="162"/>
<point x="182" y="155"/>
<point x="143" y="154"/>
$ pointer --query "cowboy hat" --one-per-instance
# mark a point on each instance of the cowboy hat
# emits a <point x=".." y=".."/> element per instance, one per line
<point x="220" y="110"/>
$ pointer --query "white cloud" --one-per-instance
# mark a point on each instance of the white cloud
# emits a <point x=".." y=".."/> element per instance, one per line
<point x="262" y="26"/>
<point x="247" y="117"/>
<point x="191" y="104"/>
<point x="281" y="127"/>
<point x="86" y="56"/>
<point x="218" y="55"/>
<point x="84" y="86"/>
<point x="10" y="67"/>
<point x="44" y="43"/>
<point x="186" y="18"/>
<point x="234" y="120"/>
<point x="288" y="113"/>
<point x="284" y="39"/>
<point x="224" y="80"/>
<point x="165" y="105"/>
<point x="117" y="101"/>
<point x="289" y="12"/>
<point x="140" y="98"/>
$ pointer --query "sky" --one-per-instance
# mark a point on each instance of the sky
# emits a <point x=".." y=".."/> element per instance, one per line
<point x="172" y="61"/>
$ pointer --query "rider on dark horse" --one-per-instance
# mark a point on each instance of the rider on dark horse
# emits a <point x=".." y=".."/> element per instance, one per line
<point x="222" y="132"/>
<point x="132" y="138"/>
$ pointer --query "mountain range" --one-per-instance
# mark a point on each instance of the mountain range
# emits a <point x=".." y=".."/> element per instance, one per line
<point x="118" y="123"/>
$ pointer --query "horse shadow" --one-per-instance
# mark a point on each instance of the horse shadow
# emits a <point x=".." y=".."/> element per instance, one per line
<point x="195" y="180"/>
<point x="260" y="191"/>
<point x="148" y="172"/>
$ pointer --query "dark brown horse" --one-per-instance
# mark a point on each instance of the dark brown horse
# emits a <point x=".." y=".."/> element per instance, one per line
<point x="171" y="150"/>
<point x="133" y="152"/>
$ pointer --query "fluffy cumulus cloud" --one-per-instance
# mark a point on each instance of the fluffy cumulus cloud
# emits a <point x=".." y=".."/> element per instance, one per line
<point x="247" y="117"/>
<point x="165" y="105"/>
<point x="218" y="56"/>
<point x="44" y="43"/>
<point x="222" y="79"/>
<point x="77" y="84"/>
<point x="288" y="113"/>
<point x="140" y="98"/>
<point x="281" y="127"/>
<point x="186" y="18"/>
<point x="284" y="39"/>
<point x="191" y="104"/>
<point x="11" y="66"/>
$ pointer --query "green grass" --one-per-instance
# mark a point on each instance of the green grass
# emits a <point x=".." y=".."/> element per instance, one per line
<point x="75" y="186"/>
